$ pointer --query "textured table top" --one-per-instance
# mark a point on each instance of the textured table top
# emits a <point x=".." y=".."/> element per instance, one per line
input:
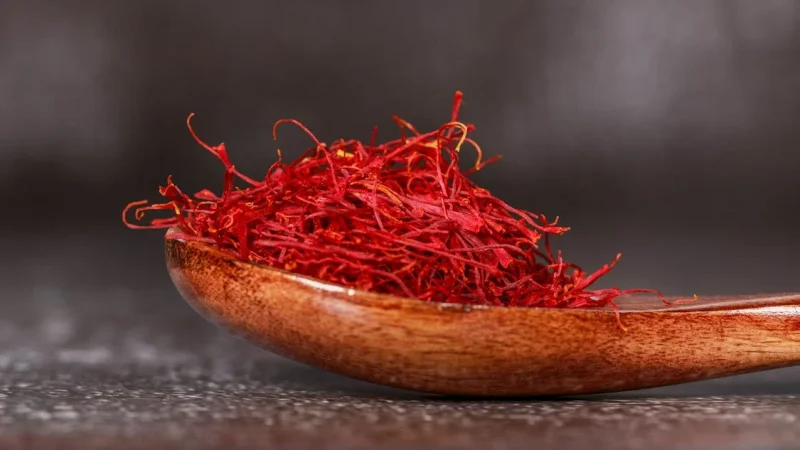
<point x="92" y="357"/>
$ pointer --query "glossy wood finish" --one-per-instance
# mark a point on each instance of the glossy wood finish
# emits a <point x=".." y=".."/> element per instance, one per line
<point x="486" y="351"/>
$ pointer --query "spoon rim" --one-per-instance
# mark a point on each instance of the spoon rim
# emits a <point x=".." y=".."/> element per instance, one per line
<point x="652" y="304"/>
<point x="342" y="292"/>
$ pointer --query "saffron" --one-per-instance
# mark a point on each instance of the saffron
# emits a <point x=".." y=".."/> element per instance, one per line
<point x="399" y="218"/>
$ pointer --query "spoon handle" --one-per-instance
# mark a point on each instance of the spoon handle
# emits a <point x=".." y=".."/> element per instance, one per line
<point x="715" y="337"/>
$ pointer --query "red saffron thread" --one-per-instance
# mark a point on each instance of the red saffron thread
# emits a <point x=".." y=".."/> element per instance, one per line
<point x="399" y="218"/>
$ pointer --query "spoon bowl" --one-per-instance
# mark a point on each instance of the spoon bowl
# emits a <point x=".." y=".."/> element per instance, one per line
<point x="485" y="351"/>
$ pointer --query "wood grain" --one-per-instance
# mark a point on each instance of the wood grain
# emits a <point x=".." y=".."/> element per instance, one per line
<point x="486" y="351"/>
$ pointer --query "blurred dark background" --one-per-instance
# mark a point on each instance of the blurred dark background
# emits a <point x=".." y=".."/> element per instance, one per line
<point x="665" y="130"/>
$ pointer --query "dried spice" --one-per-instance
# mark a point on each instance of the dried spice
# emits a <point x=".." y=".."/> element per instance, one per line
<point x="399" y="218"/>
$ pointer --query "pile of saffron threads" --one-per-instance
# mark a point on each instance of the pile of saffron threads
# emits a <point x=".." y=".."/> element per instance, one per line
<point x="399" y="218"/>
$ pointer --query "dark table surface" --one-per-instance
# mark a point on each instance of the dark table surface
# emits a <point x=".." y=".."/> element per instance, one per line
<point x="95" y="355"/>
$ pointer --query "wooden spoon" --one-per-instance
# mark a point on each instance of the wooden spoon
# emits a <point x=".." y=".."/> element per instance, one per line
<point x="486" y="351"/>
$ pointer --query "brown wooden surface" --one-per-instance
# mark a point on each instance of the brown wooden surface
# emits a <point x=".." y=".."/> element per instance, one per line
<point x="486" y="351"/>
